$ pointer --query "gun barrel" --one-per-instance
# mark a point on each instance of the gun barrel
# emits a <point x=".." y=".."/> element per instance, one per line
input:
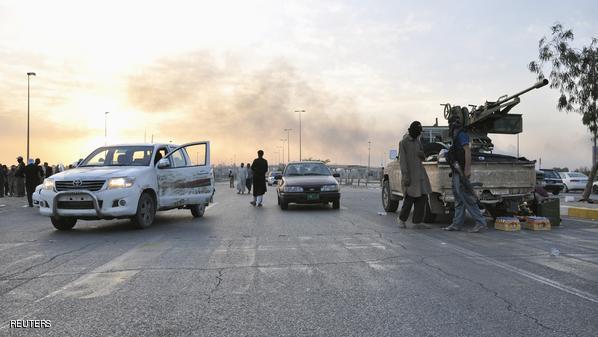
<point x="538" y="85"/>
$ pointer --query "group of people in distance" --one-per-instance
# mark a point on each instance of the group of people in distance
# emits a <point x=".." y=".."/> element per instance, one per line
<point x="253" y="174"/>
<point x="416" y="185"/>
<point x="21" y="179"/>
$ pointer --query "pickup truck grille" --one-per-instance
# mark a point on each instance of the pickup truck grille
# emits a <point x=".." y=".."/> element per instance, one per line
<point x="87" y="185"/>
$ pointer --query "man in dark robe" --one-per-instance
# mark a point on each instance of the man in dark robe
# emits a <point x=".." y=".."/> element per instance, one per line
<point x="259" y="167"/>
<point x="20" y="177"/>
<point x="32" y="179"/>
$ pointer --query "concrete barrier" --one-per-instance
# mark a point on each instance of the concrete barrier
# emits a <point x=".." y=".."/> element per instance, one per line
<point x="584" y="213"/>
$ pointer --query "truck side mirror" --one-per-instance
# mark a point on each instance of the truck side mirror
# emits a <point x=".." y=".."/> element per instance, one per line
<point x="163" y="163"/>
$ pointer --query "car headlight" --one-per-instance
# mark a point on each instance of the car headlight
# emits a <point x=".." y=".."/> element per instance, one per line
<point x="329" y="188"/>
<point x="124" y="182"/>
<point x="292" y="189"/>
<point x="48" y="184"/>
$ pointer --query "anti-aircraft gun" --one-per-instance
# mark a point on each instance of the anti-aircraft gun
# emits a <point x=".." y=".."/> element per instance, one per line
<point x="491" y="117"/>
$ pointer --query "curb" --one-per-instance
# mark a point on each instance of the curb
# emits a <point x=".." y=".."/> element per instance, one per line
<point x="584" y="213"/>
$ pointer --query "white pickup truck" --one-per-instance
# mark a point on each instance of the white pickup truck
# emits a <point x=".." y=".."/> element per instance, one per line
<point x="130" y="181"/>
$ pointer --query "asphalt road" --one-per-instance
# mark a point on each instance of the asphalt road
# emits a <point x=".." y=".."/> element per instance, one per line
<point x="313" y="271"/>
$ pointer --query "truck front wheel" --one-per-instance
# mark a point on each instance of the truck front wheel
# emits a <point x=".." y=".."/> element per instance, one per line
<point x="388" y="203"/>
<point x="63" y="224"/>
<point x="146" y="211"/>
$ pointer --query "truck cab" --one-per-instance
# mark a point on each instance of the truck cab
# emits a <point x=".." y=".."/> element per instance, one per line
<point x="130" y="181"/>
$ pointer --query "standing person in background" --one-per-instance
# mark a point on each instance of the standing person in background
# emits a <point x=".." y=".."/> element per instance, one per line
<point x="48" y="171"/>
<point x="32" y="179"/>
<point x="259" y="167"/>
<point x="2" y="180"/>
<point x="241" y="177"/>
<point x="40" y="169"/>
<point x="249" y="179"/>
<point x="231" y="178"/>
<point x="12" y="181"/>
<point x="414" y="179"/>
<point x="6" y="184"/>
<point x="20" y="177"/>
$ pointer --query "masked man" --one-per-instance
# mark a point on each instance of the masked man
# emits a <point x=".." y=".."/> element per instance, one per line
<point x="459" y="156"/>
<point x="414" y="179"/>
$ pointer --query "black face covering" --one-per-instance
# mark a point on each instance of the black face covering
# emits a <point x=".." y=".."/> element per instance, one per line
<point x="454" y="125"/>
<point x="415" y="130"/>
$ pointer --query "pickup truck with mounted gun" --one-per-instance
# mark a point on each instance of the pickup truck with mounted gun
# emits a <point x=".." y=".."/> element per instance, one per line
<point x="501" y="182"/>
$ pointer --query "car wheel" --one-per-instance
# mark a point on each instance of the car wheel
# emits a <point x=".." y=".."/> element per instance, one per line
<point x="284" y="205"/>
<point x="63" y="224"/>
<point x="336" y="204"/>
<point x="595" y="189"/>
<point x="146" y="211"/>
<point x="566" y="189"/>
<point x="197" y="210"/>
<point x="388" y="204"/>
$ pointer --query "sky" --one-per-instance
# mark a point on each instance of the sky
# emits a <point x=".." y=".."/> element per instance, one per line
<point x="235" y="72"/>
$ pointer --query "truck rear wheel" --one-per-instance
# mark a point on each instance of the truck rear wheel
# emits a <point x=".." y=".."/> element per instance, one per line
<point x="197" y="210"/>
<point x="63" y="224"/>
<point x="388" y="203"/>
<point x="429" y="217"/>
<point x="146" y="211"/>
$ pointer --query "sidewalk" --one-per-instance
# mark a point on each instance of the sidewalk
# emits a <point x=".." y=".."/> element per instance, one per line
<point x="577" y="209"/>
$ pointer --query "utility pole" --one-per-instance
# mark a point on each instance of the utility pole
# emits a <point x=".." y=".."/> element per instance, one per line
<point x="28" y="77"/>
<point x="299" y="111"/>
<point x="283" y="140"/>
<point x="288" y="144"/>
<point x="367" y="174"/>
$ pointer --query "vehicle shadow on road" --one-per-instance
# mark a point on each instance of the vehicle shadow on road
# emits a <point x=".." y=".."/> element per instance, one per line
<point x="165" y="223"/>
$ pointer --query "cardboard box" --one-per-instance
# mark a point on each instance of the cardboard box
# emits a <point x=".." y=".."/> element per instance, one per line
<point x="507" y="224"/>
<point x="537" y="223"/>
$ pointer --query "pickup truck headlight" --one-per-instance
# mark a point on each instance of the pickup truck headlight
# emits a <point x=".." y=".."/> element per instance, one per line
<point x="124" y="182"/>
<point x="329" y="188"/>
<point x="292" y="189"/>
<point x="48" y="184"/>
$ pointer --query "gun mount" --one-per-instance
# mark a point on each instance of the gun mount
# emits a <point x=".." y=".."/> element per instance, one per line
<point x="491" y="117"/>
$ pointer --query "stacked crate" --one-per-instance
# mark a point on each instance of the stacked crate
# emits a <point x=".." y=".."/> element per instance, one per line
<point x="507" y="224"/>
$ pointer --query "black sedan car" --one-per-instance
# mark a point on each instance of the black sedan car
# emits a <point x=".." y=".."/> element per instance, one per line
<point x="308" y="182"/>
<point x="553" y="181"/>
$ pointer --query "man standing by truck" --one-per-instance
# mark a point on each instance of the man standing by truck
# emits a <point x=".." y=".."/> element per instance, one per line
<point x="414" y="179"/>
<point x="459" y="157"/>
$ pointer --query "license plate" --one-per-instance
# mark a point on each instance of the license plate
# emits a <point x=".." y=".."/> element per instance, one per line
<point x="77" y="197"/>
<point x="313" y="196"/>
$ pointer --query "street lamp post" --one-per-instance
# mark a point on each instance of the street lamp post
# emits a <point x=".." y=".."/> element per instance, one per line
<point x="29" y="74"/>
<point x="288" y="144"/>
<point x="283" y="140"/>
<point x="106" y="128"/>
<point x="367" y="175"/>
<point x="299" y="111"/>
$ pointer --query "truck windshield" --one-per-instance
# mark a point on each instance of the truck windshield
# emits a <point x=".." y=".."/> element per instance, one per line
<point x="119" y="156"/>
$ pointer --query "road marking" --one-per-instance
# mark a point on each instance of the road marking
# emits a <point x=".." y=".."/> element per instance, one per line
<point x="4" y="246"/>
<point x="524" y="273"/>
<point x="344" y="208"/>
<point x="105" y="279"/>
